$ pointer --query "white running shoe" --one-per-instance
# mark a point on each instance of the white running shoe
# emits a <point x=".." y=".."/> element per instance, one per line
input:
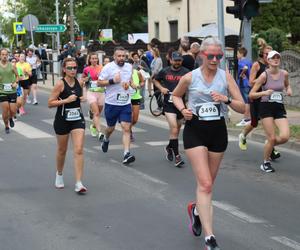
<point x="59" y="181"/>
<point x="79" y="188"/>
<point x="28" y="100"/>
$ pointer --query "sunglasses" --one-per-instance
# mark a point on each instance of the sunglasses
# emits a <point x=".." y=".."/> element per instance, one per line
<point x="212" y="56"/>
<point x="71" y="68"/>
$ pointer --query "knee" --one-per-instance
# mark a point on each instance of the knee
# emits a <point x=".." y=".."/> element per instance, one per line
<point x="205" y="187"/>
<point x="96" y="114"/>
<point x="126" y="129"/>
<point x="61" y="151"/>
<point x="272" y="139"/>
<point x="78" y="151"/>
<point x="285" y="137"/>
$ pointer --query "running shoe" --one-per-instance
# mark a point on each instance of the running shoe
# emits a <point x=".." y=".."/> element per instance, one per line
<point x="93" y="130"/>
<point x="22" y="111"/>
<point x="242" y="142"/>
<point x="7" y="131"/>
<point x="195" y="225"/>
<point x="169" y="153"/>
<point x="104" y="146"/>
<point x="59" y="181"/>
<point x="35" y="102"/>
<point x="79" y="188"/>
<point x="267" y="167"/>
<point x="178" y="161"/>
<point x="211" y="244"/>
<point x="28" y="100"/>
<point x="91" y="115"/>
<point x="128" y="158"/>
<point x="100" y="137"/>
<point x="275" y="154"/>
<point x="242" y="123"/>
<point x="11" y="122"/>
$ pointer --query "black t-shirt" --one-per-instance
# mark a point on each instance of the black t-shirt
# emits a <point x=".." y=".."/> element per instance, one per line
<point x="188" y="62"/>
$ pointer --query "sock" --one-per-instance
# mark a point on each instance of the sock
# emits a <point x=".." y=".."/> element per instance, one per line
<point x="125" y="152"/>
<point x="78" y="183"/>
<point x="265" y="161"/>
<point x="105" y="138"/>
<point x="196" y="212"/>
<point x="174" y="146"/>
<point x="208" y="237"/>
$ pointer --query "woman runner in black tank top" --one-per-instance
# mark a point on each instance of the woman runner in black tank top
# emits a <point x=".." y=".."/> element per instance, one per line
<point x="69" y="120"/>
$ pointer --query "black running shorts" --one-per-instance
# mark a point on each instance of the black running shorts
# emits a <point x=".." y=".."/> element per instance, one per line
<point x="170" y="108"/>
<point x="62" y="127"/>
<point x="11" y="98"/>
<point x="25" y="84"/>
<point x="136" y="101"/>
<point x="272" y="109"/>
<point x="210" y="134"/>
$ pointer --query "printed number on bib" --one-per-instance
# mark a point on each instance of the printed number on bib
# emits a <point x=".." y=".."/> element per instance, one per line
<point x="94" y="84"/>
<point x="7" y="87"/>
<point x="209" y="111"/>
<point x="73" y="114"/>
<point x="276" y="97"/>
<point x="122" y="98"/>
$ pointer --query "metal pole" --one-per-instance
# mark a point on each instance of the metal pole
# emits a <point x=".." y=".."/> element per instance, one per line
<point x="31" y="32"/>
<point x="57" y="22"/>
<point x="17" y="37"/>
<point x="72" y="22"/>
<point x="221" y="29"/>
<point x="247" y="37"/>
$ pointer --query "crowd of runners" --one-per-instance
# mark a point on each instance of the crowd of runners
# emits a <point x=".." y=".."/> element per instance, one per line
<point x="197" y="94"/>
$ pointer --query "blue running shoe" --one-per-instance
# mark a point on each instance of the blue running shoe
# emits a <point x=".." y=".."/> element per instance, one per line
<point x="104" y="146"/>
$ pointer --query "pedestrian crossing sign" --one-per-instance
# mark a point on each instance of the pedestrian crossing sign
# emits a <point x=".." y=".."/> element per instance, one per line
<point x="19" y="28"/>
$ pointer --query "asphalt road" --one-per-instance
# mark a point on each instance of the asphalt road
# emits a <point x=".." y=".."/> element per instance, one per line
<point x="141" y="206"/>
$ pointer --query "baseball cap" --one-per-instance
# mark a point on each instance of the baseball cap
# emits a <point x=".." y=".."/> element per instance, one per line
<point x="272" y="53"/>
<point x="176" y="56"/>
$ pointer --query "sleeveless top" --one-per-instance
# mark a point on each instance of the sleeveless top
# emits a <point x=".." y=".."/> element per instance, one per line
<point x="262" y="68"/>
<point x="92" y="73"/>
<point x="200" y="100"/>
<point x="276" y="85"/>
<point x="7" y="77"/>
<point x="70" y="111"/>
<point x="136" y="95"/>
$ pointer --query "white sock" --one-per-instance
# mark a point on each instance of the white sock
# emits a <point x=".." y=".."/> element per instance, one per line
<point x="125" y="152"/>
<point x="78" y="183"/>
<point x="208" y="237"/>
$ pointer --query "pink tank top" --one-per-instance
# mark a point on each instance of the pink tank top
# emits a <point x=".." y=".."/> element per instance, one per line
<point x="276" y="85"/>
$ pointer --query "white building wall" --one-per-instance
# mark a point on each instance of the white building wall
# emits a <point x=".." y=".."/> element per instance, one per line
<point x="201" y="12"/>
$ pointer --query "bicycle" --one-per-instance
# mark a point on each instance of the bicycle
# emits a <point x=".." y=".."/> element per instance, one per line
<point x="156" y="103"/>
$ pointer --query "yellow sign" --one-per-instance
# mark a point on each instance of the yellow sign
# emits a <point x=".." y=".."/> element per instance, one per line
<point x="19" y="28"/>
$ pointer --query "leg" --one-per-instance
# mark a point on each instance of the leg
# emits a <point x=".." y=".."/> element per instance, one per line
<point x="78" y="142"/>
<point x="96" y="116"/>
<point x="135" y="114"/>
<point x="269" y="128"/>
<point x="126" y="135"/>
<point x="205" y="166"/>
<point x="62" y="146"/>
<point x="284" y="131"/>
<point x="174" y="129"/>
<point x="12" y="109"/>
<point x="5" y="112"/>
<point x="34" y="92"/>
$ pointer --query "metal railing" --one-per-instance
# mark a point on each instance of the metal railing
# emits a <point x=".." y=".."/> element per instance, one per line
<point x="50" y="67"/>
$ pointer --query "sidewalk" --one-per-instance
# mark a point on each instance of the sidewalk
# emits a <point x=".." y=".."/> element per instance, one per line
<point x="256" y="135"/>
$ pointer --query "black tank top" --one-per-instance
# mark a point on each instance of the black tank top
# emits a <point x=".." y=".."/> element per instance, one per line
<point x="77" y="90"/>
<point x="262" y="68"/>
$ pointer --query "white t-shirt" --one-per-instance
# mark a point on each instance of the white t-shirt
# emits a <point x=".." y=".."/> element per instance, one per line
<point x="115" y="94"/>
<point x="32" y="61"/>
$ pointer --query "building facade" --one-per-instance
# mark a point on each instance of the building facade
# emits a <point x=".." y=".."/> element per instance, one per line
<point x="168" y="20"/>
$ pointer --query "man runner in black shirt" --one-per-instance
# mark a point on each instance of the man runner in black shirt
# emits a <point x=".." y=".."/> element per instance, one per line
<point x="166" y="81"/>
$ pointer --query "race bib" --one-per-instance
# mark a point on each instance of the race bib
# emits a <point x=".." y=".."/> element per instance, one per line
<point x="170" y="98"/>
<point x="209" y="111"/>
<point x="94" y="84"/>
<point x="7" y="87"/>
<point x="276" y="97"/>
<point x="72" y="114"/>
<point x="122" y="98"/>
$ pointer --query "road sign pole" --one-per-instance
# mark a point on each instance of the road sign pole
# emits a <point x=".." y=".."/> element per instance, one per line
<point x="221" y="30"/>
<point x="31" y="32"/>
<point x="247" y="37"/>
<point x="57" y="22"/>
<point x="17" y="37"/>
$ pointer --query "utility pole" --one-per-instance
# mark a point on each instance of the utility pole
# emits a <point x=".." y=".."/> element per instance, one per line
<point x="72" y="21"/>
<point x="221" y="30"/>
<point x="57" y="22"/>
<point x="17" y="37"/>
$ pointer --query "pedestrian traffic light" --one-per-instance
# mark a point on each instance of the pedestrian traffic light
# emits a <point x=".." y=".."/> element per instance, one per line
<point x="244" y="8"/>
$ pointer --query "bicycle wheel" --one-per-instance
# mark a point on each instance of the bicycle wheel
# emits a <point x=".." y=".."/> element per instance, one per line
<point x="156" y="103"/>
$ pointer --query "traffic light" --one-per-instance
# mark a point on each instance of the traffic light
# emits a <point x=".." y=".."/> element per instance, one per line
<point x="244" y="8"/>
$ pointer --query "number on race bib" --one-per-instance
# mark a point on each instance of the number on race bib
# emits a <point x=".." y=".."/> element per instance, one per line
<point x="122" y="98"/>
<point x="276" y="97"/>
<point x="94" y="84"/>
<point x="73" y="114"/>
<point x="209" y="111"/>
<point x="7" y="87"/>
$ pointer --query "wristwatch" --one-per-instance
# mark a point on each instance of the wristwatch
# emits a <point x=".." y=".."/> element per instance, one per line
<point x="229" y="100"/>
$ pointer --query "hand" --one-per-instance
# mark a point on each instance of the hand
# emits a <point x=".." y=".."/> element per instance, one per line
<point x="14" y="85"/>
<point x="117" y="77"/>
<point x="134" y="86"/>
<point x="164" y="91"/>
<point x="268" y="92"/>
<point x="217" y="97"/>
<point x="187" y="114"/>
<point x="289" y="92"/>
<point x="125" y="85"/>
<point x="72" y="98"/>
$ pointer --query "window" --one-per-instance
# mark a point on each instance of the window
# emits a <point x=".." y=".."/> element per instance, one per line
<point x="156" y="27"/>
<point x="173" y="30"/>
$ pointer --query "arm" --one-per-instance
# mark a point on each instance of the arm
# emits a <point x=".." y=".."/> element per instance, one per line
<point x="253" y="72"/>
<point x="287" y="85"/>
<point x="257" y="85"/>
<point x="178" y="92"/>
<point x="157" y="82"/>
<point x="15" y="84"/>
<point x="53" y="98"/>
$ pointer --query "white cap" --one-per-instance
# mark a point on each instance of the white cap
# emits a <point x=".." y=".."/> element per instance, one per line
<point x="272" y="53"/>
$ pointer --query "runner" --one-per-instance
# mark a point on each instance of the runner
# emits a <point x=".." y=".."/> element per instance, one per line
<point x="24" y="81"/>
<point x="95" y="94"/>
<point x="166" y="81"/>
<point x="19" y="89"/>
<point x="272" y="83"/>
<point x="205" y="135"/>
<point x="116" y="76"/>
<point x="257" y="69"/>
<point x="137" y="83"/>
<point x="66" y="96"/>
<point x="8" y="90"/>
<point x="34" y="62"/>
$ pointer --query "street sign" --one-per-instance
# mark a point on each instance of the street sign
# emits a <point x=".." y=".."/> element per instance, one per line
<point x="51" y="28"/>
<point x="30" y="22"/>
<point x="19" y="28"/>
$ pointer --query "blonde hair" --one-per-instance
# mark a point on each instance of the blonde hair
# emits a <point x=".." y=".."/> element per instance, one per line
<point x="156" y="52"/>
<point x="262" y="45"/>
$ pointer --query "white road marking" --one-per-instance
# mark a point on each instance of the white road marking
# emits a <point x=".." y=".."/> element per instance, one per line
<point x="287" y="242"/>
<point x="116" y="147"/>
<point x="48" y="121"/>
<point x="159" y="143"/>
<point x="1" y="139"/>
<point x="237" y="213"/>
<point x="29" y="131"/>
<point x="89" y="150"/>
